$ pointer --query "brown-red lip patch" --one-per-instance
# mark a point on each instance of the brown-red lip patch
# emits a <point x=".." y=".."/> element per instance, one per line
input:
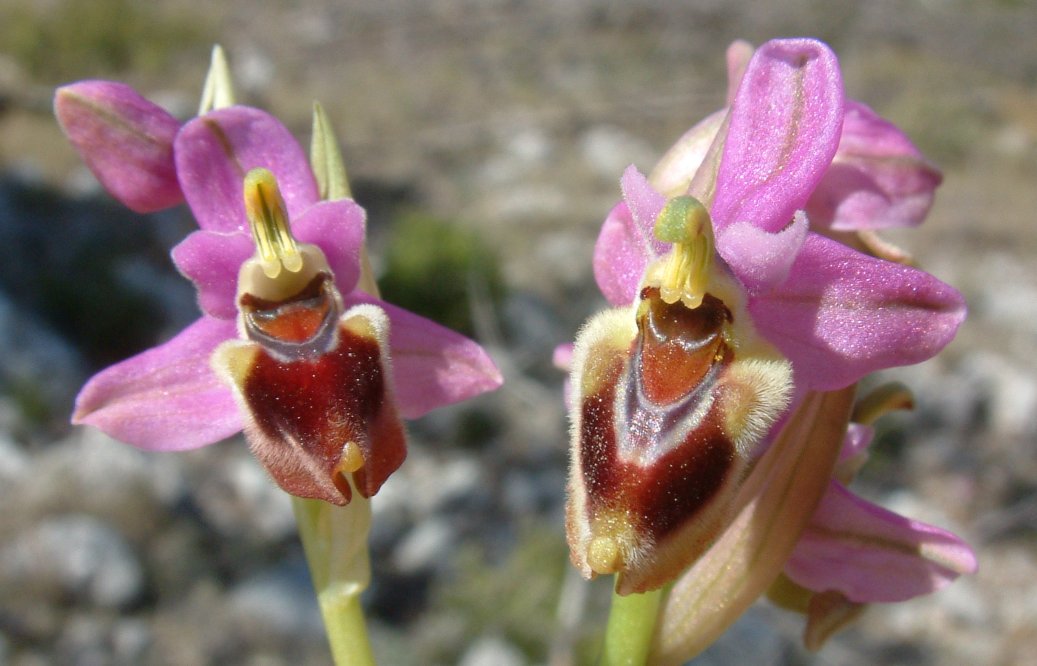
<point x="657" y="454"/>
<point x="318" y="422"/>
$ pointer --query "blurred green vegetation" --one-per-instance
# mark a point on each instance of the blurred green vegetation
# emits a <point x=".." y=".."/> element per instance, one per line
<point x="516" y="599"/>
<point x="432" y="267"/>
<point x="74" y="38"/>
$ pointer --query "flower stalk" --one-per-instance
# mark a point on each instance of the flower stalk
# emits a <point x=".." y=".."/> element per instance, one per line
<point x="631" y="625"/>
<point x="334" y="538"/>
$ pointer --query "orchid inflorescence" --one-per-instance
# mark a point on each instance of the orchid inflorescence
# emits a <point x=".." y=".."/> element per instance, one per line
<point x="714" y="432"/>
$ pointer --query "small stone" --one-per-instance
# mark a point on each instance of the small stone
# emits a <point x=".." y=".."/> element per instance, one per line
<point x="425" y="546"/>
<point x="130" y="639"/>
<point x="74" y="555"/>
<point x="752" y="639"/>
<point x="426" y="483"/>
<point x="239" y="499"/>
<point x="279" y="599"/>
<point x="39" y="367"/>
<point x="523" y="152"/>
<point x="492" y="651"/>
<point x="13" y="462"/>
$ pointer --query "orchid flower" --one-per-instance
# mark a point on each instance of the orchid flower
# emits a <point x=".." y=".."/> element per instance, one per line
<point x="727" y="370"/>
<point x="288" y="348"/>
<point x="293" y="345"/>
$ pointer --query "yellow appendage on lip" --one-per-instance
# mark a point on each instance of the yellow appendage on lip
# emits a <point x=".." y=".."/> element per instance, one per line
<point x="683" y="275"/>
<point x="352" y="458"/>
<point x="268" y="219"/>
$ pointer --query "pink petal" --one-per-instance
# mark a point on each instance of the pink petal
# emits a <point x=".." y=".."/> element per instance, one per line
<point x="627" y="241"/>
<point x="211" y="260"/>
<point x="784" y="130"/>
<point x="432" y="366"/>
<point x="843" y="314"/>
<point x="760" y="259"/>
<point x="619" y="258"/>
<point x="874" y="555"/>
<point x="878" y="178"/>
<point x="214" y="152"/>
<point x="166" y="398"/>
<point x="126" y="141"/>
<point x="645" y="205"/>
<point x="337" y="228"/>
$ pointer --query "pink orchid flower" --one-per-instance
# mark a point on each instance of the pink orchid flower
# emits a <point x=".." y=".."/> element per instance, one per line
<point x="836" y="313"/>
<point x="788" y="294"/>
<point x="257" y="346"/>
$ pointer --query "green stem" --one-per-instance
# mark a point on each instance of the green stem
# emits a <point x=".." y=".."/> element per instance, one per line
<point x="347" y="633"/>
<point x="631" y="625"/>
<point x="335" y="541"/>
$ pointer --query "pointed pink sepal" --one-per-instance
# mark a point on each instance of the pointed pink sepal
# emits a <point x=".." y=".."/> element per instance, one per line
<point x="842" y="314"/>
<point x="166" y="398"/>
<point x="870" y="554"/>
<point x="126" y="141"/>
<point x="627" y="242"/>
<point x="433" y="366"/>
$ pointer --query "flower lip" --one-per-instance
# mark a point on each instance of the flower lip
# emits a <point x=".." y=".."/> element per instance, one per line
<point x="678" y="346"/>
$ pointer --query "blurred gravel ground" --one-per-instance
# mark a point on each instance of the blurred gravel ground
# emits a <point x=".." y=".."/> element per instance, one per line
<point x="512" y="120"/>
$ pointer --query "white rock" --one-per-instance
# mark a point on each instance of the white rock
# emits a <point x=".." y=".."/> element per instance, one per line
<point x="13" y="462"/>
<point x="78" y="554"/>
<point x="523" y="151"/>
<point x="492" y="651"/>
<point x="426" y="483"/>
<point x="279" y="599"/>
<point x="239" y="498"/>
<point x="426" y="545"/>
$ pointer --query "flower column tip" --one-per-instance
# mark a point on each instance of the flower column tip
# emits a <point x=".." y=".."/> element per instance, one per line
<point x="684" y="275"/>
